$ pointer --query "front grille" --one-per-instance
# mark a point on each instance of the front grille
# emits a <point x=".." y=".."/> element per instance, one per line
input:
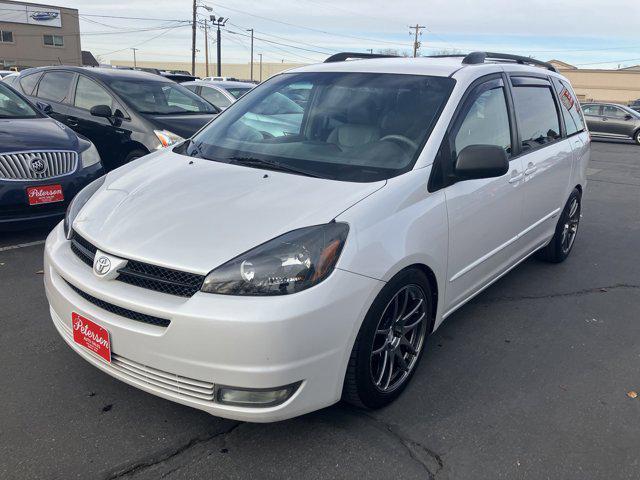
<point x="144" y="275"/>
<point x="37" y="165"/>
<point x="120" y="311"/>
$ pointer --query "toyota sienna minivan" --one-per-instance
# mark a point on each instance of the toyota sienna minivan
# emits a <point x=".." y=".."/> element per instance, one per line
<point x="259" y="276"/>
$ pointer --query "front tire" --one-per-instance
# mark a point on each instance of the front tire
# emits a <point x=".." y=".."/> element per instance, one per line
<point x="391" y="340"/>
<point x="636" y="137"/>
<point x="564" y="237"/>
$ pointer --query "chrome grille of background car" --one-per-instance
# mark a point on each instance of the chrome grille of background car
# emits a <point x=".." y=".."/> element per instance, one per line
<point x="17" y="166"/>
<point x="144" y="275"/>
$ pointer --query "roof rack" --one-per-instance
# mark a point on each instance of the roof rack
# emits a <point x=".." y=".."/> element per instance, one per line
<point x="342" y="56"/>
<point x="475" y="58"/>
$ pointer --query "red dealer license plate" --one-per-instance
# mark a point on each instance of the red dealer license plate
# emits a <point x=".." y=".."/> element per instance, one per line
<point x="91" y="336"/>
<point x="45" y="194"/>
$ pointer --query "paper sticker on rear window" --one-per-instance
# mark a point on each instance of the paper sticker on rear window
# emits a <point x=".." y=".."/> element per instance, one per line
<point x="567" y="99"/>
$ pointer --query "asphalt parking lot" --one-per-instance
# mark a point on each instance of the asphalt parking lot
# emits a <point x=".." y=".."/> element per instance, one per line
<point x="529" y="380"/>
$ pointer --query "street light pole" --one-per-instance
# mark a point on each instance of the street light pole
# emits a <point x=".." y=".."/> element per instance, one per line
<point x="251" y="30"/>
<point x="206" y="49"/>
<point x="260" y="67"/>
<point x="219" y="22"/>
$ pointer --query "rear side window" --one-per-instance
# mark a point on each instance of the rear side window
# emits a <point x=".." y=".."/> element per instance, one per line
<point x="573" y="121"/>
<point x="486" y="122"/>
<point x="28" y="83"/>
<point x="212" y="95"/>
<point x="54" y="86"/>
<point x="591" y="109"/>
<point x="537" y="116"/>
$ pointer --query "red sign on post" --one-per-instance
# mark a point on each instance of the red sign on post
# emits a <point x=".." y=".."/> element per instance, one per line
<point x="91" y="336"/>
<point x="45" y="194"/>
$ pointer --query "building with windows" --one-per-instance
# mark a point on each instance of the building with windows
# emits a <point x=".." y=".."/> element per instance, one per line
<point x="33" y="35"/>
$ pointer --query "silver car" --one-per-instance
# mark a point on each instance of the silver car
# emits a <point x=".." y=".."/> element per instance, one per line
<point x="611" y="120"/>
<point x="220" y="94"/>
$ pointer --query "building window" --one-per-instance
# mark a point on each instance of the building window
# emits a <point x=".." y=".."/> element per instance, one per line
<point x="6" y="36"/>
<point x="54" y="40"/>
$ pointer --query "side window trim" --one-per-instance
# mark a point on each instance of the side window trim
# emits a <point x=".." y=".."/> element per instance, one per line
<point x="442" y="169"/>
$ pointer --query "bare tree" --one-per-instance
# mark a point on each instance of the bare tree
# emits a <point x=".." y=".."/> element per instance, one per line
<point x="393" y="51"/>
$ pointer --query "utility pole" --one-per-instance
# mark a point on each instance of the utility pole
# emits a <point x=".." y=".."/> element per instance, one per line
<point x="370" y="50"/>
<point x="193" y="40"/>
<point x="416" y="43"/>
<point x="219" y="22"/>
<point x="206" y="49"/>
<point x="251" y="30"/>
<point x="260" y="67"/>
<point x="135" y="65"/>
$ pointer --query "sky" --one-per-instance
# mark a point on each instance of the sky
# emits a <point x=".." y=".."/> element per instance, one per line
<point x="586" y="33"/>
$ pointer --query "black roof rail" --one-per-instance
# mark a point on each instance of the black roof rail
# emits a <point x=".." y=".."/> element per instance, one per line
<point x="342" y="56"/>
<point x="475" y="58"/>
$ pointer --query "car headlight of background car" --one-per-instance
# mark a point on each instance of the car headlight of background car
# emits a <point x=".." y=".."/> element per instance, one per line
<point x="90" y="156"/>
<point x="287" y="264"/>
<point x="78" y="202"/>
<point x="167" y="138"/>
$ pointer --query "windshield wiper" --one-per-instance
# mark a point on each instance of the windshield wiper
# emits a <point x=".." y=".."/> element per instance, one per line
<point x="267" y="164"/>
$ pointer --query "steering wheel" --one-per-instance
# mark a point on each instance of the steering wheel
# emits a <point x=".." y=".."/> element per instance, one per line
<point x="400" y="139"/>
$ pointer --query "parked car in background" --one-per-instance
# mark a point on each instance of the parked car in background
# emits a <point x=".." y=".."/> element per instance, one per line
<point x="4" y="73"/>
<point x="125" y="113"/>
<point x="260" y="277"/>
<point x="610" y="120"/>
<point x="11" y="79"/>
<point x="220" y="94"/>
<point x="635" y="105"/>
<point x="43" y="164"/>
<point x="220" y="79"/>
<point x="179" y="77"/>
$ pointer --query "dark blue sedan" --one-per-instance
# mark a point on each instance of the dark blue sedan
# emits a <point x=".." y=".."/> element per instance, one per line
<point x="43" y="163"/>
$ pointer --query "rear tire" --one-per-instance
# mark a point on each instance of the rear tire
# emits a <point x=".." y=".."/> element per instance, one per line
<point x="390" y="342"/>
<point x="636" y="137"/>
<point x="564" y="237"/>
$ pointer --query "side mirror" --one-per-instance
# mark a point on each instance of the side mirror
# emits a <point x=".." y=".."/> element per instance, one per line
<point x="628" y="116"/>
<point x="481" y="161"/>
<point x="101" y="111"/>
<point x="44" y="108"/>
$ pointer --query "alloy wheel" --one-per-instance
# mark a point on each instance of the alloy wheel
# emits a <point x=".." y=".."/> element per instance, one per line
<point x="570" y="228"/>
<point x="399" y="338"/>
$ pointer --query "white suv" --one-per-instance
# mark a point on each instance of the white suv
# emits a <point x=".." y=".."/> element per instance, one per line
<point x="260" y="273"/>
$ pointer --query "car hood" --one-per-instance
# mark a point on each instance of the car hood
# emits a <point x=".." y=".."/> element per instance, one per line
<point x="183" y="125"/>
<point x="193" y="214"/>
<point x="35" y="134"/>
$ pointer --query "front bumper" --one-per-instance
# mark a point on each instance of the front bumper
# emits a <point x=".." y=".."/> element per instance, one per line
<point x="15" y="210"/>
<point x="246" y="342"/>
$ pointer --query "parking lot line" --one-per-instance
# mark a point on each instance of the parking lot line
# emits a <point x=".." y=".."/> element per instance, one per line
<point x="21" y="245"/>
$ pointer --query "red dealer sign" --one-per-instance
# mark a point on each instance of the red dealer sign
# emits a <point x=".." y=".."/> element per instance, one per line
<point x="45" y="194"/>
<point x="91" y="336"/>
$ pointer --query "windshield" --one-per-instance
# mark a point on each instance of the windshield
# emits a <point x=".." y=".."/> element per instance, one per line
<point x="237" y="92"/>
<point x="160" y="98"/>
<point x="360" y="127"/>
<point x="13" y="106"/>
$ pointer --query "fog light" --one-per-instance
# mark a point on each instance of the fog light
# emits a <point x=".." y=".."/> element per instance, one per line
<point x="255" y="397"/>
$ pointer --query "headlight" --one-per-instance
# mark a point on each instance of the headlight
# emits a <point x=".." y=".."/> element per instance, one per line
<point x="167" y="138"/>
<point x="78" y="202"/>
<point x="287" y="264"/>
<point x="90" y="156"/>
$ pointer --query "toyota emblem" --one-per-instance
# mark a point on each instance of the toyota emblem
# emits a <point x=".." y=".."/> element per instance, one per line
<point x="38" y="165"/>
<point x="102" y="266"/>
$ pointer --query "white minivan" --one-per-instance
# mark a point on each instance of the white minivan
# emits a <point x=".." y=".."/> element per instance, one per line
<point x="259" y="274"/>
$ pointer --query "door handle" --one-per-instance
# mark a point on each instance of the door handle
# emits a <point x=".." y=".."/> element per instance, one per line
<point x="72" y="121"/>
<point x="515" y="177"/>
<point x="530" y="169"/>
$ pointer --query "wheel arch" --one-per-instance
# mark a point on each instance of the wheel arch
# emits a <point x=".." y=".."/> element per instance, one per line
<point x="433" y="283"/>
